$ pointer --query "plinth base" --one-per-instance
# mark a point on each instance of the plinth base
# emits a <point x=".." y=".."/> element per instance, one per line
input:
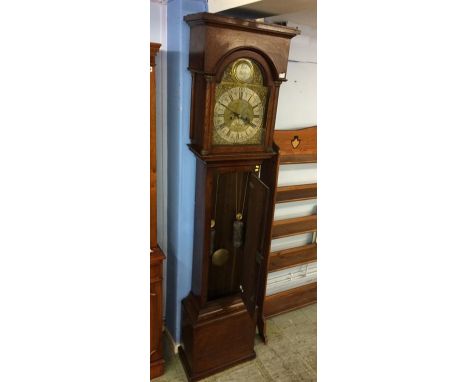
<point x="215" y="337"/>
<point x="157" y="368"/>
<point x="192" y="377"/>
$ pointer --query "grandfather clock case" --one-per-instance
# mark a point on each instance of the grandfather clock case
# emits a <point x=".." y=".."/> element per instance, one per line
<point x="237" y="68"/>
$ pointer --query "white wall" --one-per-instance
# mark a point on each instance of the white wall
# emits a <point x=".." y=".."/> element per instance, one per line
<point x="157" y="21"/>
<point x="297" y="103"/>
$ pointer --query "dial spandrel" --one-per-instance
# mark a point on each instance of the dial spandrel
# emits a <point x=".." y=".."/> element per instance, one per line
<point x="239" y="110"/>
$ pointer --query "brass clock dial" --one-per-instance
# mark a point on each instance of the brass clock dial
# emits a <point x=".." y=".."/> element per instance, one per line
<point x="238" y="115"/>
<point x="239" y="110"/>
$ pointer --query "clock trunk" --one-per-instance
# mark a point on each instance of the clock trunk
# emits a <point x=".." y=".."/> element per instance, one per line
<point x="219" y="316"/>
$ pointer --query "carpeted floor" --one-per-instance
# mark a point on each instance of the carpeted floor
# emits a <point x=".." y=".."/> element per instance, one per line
<point x="291" y="353"/>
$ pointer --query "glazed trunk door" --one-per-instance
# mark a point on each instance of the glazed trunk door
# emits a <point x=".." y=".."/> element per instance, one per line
<point x="254" y="239"/>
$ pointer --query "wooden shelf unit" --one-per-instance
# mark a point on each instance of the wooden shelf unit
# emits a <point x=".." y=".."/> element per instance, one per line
<point x="295" y="147"/>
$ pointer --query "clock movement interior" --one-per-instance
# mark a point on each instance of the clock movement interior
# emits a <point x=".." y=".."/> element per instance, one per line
<point x="231" y="193"/>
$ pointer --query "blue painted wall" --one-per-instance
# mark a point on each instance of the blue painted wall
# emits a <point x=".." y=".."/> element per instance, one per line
<point x="180" y="162"/>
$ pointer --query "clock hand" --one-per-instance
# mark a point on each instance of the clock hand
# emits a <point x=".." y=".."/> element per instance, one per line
<point x="245" y="119"/>
<point x="232" y="111"/>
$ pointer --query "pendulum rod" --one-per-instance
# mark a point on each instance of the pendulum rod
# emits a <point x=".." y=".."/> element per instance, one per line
<point x="238" y="226"/>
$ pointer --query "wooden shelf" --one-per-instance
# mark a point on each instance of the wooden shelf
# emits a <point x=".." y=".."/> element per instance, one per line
<point x="297" y="146"/>
<point x="290" y="299"/>
<point x="297" y="158"/>
<point x="294" y="226"/>
<point x="295" y="193"/>
<point x="292" y="257"/>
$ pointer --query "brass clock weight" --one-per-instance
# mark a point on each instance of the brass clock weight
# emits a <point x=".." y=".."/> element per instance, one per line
<point x="238" y="224"/>
<point x="237" y="67"/>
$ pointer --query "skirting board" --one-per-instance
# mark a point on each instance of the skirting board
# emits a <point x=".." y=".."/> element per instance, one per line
<point x="174" y="345"/>
<point x="290" y="299"/>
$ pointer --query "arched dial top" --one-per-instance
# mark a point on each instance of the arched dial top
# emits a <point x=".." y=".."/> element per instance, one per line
<point x="240" y="103"/>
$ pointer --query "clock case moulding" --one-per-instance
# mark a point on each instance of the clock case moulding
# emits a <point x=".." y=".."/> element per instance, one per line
<point x="218" y="333"/>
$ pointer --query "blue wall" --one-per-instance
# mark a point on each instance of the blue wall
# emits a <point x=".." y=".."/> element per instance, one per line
<point x="180" y="162"/>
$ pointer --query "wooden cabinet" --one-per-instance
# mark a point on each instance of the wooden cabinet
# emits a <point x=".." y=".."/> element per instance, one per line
<point x="156" y="255"/>
<point x="156" y="316"/>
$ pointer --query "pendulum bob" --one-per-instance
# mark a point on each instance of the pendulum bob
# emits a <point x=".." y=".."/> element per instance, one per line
<point x="220" y="257"/>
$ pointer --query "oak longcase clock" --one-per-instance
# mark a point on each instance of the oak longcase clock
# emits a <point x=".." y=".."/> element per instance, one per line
<point x="237" y="68"/>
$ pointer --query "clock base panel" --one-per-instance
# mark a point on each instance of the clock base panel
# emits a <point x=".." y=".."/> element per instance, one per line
<point x="192" y="377"/>
<point x="215" y="337"/>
